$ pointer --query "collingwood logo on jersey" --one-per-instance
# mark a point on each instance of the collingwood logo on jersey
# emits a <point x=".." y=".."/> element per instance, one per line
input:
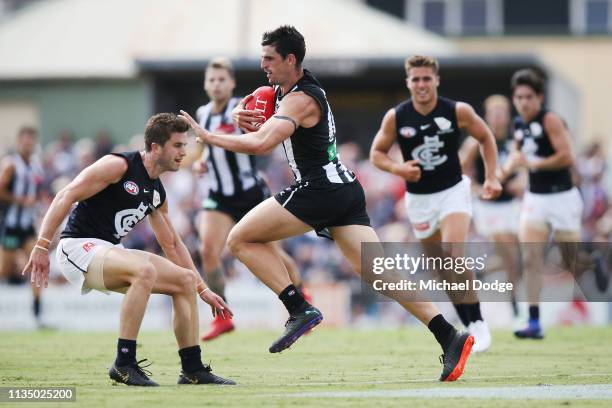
<point x="125" y="220"/>
<point x="427" y="153"/>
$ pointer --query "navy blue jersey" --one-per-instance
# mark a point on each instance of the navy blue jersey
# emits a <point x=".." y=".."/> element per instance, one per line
<point x="434" y="141"/>
<point x="534" y="142"/>
<point x="113" y="212"/>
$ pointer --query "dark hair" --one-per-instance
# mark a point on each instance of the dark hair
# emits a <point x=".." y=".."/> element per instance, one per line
<point x="417" y="61"/>
<point x="27" y="130"/>
<point x="222" y="63"/>
<point x="528" y="77"/>
<point x="287" y="40"/>
<point x="161" y="126"/>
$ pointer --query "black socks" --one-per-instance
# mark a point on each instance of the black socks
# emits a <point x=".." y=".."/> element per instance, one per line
<point x="534" y="312"/>
<point x="474" y="312"/>
<point x="126" y="352"/>
<point x="292" y="299"/>
<point x="463" y="313"/>
<point x="442" y="330"/>
<point x="191" y="359"/>
<point x="468" y="312"/>
<point x="36" y="307"/>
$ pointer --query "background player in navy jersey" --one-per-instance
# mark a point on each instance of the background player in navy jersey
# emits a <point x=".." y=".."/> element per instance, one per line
<point x="498" y="219"/>
<point x="20" y="179"/>
<point x="544" y="148"/>
<point x="438" y="199"/>
<point x="113" y="195"/>
<point x="326" y="196"/>
<point x="233" y="183"/>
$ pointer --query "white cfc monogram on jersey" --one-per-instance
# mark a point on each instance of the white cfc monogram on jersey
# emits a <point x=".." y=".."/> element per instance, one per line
<point x="427" y="153"/>
<point x="125" y="220"/>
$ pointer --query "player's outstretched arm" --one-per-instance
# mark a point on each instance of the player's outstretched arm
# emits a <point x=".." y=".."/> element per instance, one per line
<point x="296" y="109"/>
<point x="468" y="119"/>
<point x="90" y="181"/>
<point x="176" y="251"/>
<point x="202" y="152"/>
<point x="379" y="152"/>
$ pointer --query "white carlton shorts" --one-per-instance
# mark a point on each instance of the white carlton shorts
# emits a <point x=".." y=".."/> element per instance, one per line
<point x="559" y="211"/>
<point x="425" y="211"/>
<point x="81" y="261"/>
<point x="496" y="217"/>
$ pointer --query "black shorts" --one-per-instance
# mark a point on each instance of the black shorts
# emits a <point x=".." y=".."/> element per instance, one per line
<point x="321" y="204"/>
<point x="238" y="205"/>
<point x="12" y="239"/>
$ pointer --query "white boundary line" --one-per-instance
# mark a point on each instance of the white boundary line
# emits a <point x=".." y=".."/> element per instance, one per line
<point x="545" y="392"/>
<point x="435" y="381"/>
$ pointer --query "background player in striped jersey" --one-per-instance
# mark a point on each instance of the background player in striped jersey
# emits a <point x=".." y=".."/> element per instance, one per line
<point x="497" y="219"/>
<point x="20" y="179"/>
<point x="544" y="148"/>
<point x="438" y="199"/>
<point x="326" y="196"/>
<point x="234" y="185"/>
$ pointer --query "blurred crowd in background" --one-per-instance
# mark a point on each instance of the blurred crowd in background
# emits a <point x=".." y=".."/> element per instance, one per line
<point x="318" y="259"/>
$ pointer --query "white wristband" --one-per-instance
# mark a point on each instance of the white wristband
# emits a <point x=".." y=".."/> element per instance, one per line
<point x="41" y="247"/>
<point x="200" y="293"/>
<point x="48" y="241"/>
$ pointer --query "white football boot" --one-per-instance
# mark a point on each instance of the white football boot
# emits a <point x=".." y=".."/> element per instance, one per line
<point x="480" y="330"/>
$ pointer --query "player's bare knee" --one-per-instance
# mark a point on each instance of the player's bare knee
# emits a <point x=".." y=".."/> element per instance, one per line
<point x="235" y="242"/>
<point x="146" y="274"/>
<point x="187" y="280"/>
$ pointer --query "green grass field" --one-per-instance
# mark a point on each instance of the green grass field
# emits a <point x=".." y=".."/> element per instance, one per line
<point x="338" y="362"/>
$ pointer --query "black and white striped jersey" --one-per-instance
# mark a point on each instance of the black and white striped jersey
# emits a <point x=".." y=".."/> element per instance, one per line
<point x="311" y="152"/>
<point x="229" y="173"/>
<point x="25" y="182"/>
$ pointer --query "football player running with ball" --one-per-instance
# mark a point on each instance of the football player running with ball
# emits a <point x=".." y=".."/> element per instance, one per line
<point x="235" y="186"/>
<point x="326" y="197"/>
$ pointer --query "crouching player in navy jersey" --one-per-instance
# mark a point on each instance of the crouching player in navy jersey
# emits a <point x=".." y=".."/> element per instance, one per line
<point x="113" y="195"/>
<point x="326" y="196"/>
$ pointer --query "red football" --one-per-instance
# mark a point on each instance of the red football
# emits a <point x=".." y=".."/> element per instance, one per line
<point x="262" y="101"/>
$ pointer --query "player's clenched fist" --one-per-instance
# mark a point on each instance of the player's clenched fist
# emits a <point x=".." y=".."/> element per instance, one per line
<point x="409" y="170"/>
<point x="491" y="189"/>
